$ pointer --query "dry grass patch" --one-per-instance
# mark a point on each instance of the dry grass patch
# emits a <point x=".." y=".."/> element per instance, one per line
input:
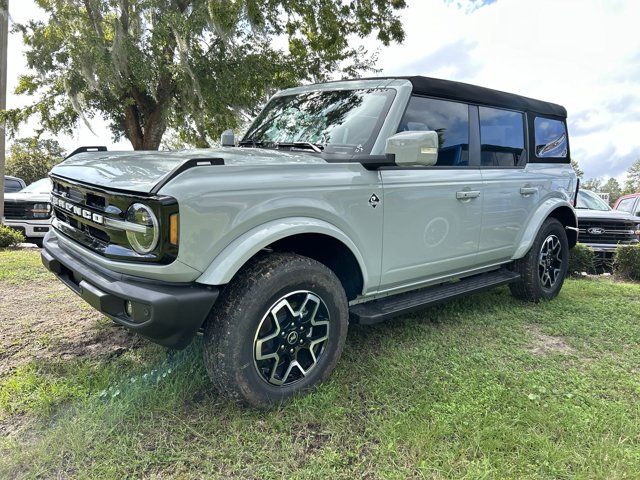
<point x="543" y="344"/>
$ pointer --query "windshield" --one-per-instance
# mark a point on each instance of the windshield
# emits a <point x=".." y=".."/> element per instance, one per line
<point x="336" y="121"/>
<point x="39" y="186"/>
<point x="591" y="201"/>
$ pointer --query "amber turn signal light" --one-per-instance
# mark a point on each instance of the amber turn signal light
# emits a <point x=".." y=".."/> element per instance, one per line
<point x="174" y="226"/>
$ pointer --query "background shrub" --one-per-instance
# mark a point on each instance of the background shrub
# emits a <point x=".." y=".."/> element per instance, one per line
<point x="581" y="259"/>
<point x="626" y="262"/>
<point x="9" y="237"/>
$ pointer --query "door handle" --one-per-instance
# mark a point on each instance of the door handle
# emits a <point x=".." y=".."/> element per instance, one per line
<point x="467" y="194"/>
<point x="525" y="191"/>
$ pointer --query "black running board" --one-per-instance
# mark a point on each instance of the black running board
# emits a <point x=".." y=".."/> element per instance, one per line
<point x="382" y="309"/>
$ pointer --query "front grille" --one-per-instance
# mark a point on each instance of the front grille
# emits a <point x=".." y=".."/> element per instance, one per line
<point x="15" y="210"/>
<point x="21" y="211"/>
<point x="611" y="232"/>
<point x="89" y="215"/>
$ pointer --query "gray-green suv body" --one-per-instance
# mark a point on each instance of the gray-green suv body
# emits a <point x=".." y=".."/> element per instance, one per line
<point x="354" y="200"/>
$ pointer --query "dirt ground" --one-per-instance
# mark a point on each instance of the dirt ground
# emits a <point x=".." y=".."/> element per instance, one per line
<point x="28" y="331"/>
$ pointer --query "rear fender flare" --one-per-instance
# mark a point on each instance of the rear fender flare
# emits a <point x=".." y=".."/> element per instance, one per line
<point x="535" y="222"/>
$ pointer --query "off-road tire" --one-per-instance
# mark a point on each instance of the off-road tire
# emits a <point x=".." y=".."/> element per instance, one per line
<point x="529" y="287"/>
<point x="231" y="328"/>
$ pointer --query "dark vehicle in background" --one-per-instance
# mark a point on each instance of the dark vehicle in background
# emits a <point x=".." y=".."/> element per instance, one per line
<point x="629" y="203"/>
<point x="29" y="210"/>
<point x="13" y="184"/>
<point x="602" y="228"/>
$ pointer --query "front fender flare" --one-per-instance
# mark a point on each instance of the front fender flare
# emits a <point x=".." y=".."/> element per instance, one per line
<point x="535" y="222"/>
<point x="231" y="259"/>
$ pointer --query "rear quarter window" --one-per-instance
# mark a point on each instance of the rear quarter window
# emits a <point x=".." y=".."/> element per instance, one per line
<point x="550" y="138"/>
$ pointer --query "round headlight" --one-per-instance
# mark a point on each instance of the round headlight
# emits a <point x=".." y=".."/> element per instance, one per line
<point x="143" y="240"/>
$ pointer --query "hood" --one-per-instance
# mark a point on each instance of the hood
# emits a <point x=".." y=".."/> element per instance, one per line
<point x="608" y="215"/>
<point x="27" y="197"/>
<point x="140" y="171"/>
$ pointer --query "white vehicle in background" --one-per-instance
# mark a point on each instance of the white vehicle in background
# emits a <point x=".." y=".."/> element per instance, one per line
<point x="29" y="210"/>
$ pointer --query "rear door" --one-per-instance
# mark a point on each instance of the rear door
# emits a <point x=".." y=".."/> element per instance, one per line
<point x="511" y="191"/>
<point x="432" y="215"/>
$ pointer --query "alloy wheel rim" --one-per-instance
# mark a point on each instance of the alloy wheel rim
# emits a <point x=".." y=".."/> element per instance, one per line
<point x="291" y="338"/>
<point x="550" y="262"/>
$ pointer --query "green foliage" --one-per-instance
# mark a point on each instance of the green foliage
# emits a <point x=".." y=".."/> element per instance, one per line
<point x="10" y="237"/>
<point x="632" y="185"/>
<point x="32" y="158"/>
<point x="193" y="66"/>
<point x="626" y="262"/>
<point x="576" y="168"/>
<point x="613" y="188"/>
<point x="593" y="184"/>
<point x="581" y="259"/>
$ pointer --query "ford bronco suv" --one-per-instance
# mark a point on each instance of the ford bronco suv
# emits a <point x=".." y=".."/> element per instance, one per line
<point x="347" y="201"/>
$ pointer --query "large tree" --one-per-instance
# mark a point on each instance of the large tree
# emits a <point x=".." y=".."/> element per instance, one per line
<point x="632" y="185"/>
<point x="613" y="188"/>
<point x="196" y="67"/>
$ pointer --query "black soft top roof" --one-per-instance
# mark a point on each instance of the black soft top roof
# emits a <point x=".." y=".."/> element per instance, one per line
<point x="485" y="96"/>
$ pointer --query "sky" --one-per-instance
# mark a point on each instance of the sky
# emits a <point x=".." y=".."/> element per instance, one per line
<point x="583" y="54"/>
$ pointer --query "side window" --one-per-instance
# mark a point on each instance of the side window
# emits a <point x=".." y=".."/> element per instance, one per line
<point x="449" y="119"/>
<point x="626" y="205"/>
<point x="551" y="138"/>
<point x="501" y="137"/>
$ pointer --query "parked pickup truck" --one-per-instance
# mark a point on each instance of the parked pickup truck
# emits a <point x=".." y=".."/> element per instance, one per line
<point x="355" y="200"/>
<point x="604" y="229"/>
<point x="29" y="210"/>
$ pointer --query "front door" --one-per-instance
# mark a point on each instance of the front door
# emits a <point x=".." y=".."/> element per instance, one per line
<point x="432" y="215"/>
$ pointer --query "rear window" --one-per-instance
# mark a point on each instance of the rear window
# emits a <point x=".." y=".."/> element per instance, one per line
<point x="501" y="137"/>
<point x="551" y="138"/>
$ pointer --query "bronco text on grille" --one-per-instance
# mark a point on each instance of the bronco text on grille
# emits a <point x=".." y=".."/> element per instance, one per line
<point x="96" y="219"/>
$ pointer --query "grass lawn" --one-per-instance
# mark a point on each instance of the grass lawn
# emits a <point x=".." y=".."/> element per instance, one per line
<point x="484" y="387"/>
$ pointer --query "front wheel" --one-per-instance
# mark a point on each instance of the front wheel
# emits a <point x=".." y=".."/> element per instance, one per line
<point x="278" y="330"/>
<point x="543" y="269"/>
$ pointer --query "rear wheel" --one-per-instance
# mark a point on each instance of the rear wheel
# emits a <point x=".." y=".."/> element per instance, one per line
<point x="278" y="329"/>
<point x="543" y="269"/>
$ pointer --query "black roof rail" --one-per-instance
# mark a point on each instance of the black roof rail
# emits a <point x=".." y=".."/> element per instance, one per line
<point x="186" y="165"/>
<point x="86" y="149"/>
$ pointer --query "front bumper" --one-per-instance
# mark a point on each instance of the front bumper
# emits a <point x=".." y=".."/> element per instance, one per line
<point x="30" y="228"/>
<point x="166" y="313"/>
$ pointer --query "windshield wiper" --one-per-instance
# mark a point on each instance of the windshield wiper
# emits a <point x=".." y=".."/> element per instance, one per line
<point x="316" y="147"/>
<point x="252" y="142"/>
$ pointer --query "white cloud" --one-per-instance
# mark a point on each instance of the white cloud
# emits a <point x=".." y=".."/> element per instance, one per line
<point x="582" y="54"/>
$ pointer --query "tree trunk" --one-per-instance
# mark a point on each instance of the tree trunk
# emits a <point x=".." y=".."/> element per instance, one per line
<point x="154" y="129"/>
<point x="132" y="128"/>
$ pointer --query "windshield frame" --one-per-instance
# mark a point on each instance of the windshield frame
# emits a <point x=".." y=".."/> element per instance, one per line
<point x="594" y="197"/>
<point x="326" y="149"/>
